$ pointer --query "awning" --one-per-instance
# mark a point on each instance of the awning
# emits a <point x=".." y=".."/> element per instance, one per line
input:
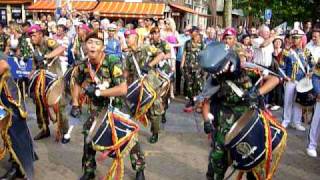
<point x="131" y="9"/>
<point x="50" y="6"/>
<point x="182" y="8"/>
<point x="15" y="1"/>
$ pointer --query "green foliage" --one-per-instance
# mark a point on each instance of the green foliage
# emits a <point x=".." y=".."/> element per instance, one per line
<point x="282" y="10"/>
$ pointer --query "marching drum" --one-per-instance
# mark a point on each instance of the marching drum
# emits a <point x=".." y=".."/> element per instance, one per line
<point x="246" y="140"/>
<point x="55" y="67"/>
<point x="69" y="79"/>
<point x="165" y="79"/>
<point x="113" y="132"/>
<point x="142" y="93"/>
<point x="305" y="96"/>
<point x="53" y="87"/>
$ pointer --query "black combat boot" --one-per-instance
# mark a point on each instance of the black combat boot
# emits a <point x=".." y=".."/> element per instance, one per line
<point x="13" y="173"/>
<point x="140" y="175"/>
<point x="42" y="134"/>
<point x="87" y="176"/>
<point x="154" y="138"/>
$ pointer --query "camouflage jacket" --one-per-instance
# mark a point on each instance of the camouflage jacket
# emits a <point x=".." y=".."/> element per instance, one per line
<point x="46" y="46"/>
<point x="24" y="47"/>
<point x="110" y="72"/>
<point x="3" y="41"/>
<point x="192" y="50"/>
<point x="142" y="57"/>
<point x="160" y="47"/>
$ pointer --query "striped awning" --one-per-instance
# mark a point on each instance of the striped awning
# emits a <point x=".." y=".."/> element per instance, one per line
<point x="182" y="8"/>
<point x="15" y="1"/>
<point x="131" y="9"/>
<point x="50" y="6"/>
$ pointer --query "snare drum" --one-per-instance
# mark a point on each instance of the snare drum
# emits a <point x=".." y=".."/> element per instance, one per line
<point x="53" y="86"/>
<point x="305" y="96"/>
<point x="116" y="131"/>
<point x="141" y="96"/>
<point x="246" y="140"/>
<point x="165" y="79"/>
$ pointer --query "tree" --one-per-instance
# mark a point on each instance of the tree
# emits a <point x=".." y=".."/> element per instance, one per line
<point x="227" y="11"/>
<point x="282" y="10"/>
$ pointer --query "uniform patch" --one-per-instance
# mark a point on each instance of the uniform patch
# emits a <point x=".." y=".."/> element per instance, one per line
<point x="117" y="71"/>
<point x="51" y="43"/>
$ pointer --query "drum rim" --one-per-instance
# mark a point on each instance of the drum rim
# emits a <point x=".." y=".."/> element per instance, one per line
<point x="241" y="122"/>
<point x="49" y="89"/>
<point x="301" y="85"/>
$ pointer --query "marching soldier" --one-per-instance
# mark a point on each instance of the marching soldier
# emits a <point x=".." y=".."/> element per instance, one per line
<point x="159" y="50"/>
<point x="3" y="42"/>
<point x="192" y="72"/>
<point x="46" y="49"/>
<point x="100" y="70"/>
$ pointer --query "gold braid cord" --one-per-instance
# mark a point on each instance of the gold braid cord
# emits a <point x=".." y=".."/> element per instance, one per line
<point x="7" y="144"/>
<point x="266" y="169"/>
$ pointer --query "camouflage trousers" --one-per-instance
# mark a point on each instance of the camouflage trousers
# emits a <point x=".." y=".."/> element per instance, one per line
<point x="89" y="164"/>
<point x="193" y="78"/>
<point x="154" y="115"/>
<point x="218" y="156"/>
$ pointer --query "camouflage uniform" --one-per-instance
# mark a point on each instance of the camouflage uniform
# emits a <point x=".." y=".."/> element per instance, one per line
<point x="111" y="71"/>
<point x="227" y="107"/>
<point x="3" y="44"/>
<point x="46" y="46"/>
<point x="24" y="47"/>
<point x="157" y="111"/>
<point x="193" y="75"/>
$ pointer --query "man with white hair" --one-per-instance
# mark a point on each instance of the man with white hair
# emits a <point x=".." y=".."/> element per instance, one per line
<point x="263" y="47"/>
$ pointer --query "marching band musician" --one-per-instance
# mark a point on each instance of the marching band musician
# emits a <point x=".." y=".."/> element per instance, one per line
<point x="159" y="51"/>
<point x="297" y="61"/>
<point x="102" y="77"/>
<point x="15" y="134"/>
<point x="45" y="49"/>
<point x="224" y="106"/>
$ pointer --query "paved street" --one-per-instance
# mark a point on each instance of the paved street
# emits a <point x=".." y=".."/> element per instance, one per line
<point x="180" y="154"/>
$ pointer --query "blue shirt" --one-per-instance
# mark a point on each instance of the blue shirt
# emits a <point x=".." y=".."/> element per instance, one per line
<point x="316" y="83"/>
<point x="292" y="67"/>
<point x="113" y="47"/>
<point x="182" y="41"/>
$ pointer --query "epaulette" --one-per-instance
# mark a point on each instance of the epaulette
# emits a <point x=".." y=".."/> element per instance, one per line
<point x="51" y="43"/>
<point x="285" y="52"/>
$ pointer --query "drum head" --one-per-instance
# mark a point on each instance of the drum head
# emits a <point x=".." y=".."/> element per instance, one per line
<point x="54" y="91"/>
<point x="238" y="126"/>
<point x="304" y="85"/>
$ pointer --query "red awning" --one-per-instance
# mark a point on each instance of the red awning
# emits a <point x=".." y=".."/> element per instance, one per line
<point x="182" y="8"/>
<point x="131" y="9"/>
<point x="50" y="6"/>
<point x="15" y="1"/>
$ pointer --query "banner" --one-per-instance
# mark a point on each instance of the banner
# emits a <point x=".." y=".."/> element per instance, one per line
<point x="19" y="68"/>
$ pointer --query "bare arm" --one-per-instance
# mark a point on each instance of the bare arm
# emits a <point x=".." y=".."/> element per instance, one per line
<point x="157" y="59"/>
<point x="183" y="60"/>
<point x="3" y="66"/>
<point x="56" y="52"/>
<point x="205" y="110"/>
<point x="270" y="83"/>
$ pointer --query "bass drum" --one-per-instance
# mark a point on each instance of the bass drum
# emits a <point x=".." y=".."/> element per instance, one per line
<point x="113" y="132"/>
<point x="53" y="87"/>
<point x="246" y="140"/>
<point x="305" y="96"/>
